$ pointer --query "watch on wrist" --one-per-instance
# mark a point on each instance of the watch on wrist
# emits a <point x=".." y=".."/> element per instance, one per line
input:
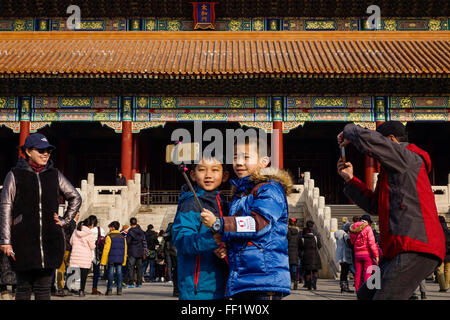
<point x="216" y="226"/>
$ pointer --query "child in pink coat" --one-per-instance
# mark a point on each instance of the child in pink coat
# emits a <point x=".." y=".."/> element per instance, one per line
<point x="366" y="249"/>
<point x="83" y="244"/>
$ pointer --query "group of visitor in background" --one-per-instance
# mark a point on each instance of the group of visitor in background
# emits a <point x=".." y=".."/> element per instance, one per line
<point x="245" y="249"/>
<point x="128" y="256"/>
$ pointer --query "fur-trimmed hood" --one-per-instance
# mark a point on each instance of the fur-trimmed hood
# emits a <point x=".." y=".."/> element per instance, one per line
<point x="271" y="173"/>
<point x="358" y="226"/>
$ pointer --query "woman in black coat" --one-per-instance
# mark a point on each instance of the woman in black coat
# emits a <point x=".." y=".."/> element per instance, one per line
<point x="293" y="239"/>
<point x="309" y="246"/>
<point x="30" y="229"/>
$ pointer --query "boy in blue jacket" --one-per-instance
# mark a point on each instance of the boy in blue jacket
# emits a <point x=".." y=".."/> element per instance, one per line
<point x="255" y="231"/>
<point x="201" y="273"/>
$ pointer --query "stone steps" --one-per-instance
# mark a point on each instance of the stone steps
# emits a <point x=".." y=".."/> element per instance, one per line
<point x="339" y="211"/>
<point x="157" y="215"/>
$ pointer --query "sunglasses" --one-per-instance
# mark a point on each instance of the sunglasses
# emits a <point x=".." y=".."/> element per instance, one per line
<point x="42" y="151"/>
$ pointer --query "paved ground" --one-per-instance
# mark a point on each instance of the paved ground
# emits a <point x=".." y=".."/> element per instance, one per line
<point x="327" y="290"/>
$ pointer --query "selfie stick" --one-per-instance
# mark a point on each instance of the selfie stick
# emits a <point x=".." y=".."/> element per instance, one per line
<point x="182" y="168"/>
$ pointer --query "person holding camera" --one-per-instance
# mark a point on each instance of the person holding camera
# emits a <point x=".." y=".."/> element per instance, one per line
<point x="412" y="240"/>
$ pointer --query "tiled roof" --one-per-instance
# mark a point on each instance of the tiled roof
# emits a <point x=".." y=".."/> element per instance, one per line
<point x="225" y="53"/>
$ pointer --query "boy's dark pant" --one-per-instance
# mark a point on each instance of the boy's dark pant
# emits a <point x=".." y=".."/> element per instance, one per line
<point x="96" y="276"/>
<point x="293" y="268"/>
<point x="133" y="261"/>
<point x="400" y="276"/>
<point x="117" y="267"/>
<point x="38" y="281"/>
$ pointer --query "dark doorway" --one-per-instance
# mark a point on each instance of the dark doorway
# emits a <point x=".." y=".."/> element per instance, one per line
<point x="9" y="153"/>
<point x="313" y="148"/>
<point x="434" y="138"/>
<point x="85" y="147"/>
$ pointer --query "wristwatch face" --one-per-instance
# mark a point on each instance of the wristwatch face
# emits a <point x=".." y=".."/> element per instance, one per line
<point x="216" y="225"/>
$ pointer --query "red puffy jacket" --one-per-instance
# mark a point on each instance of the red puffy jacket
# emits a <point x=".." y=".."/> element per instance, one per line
<point x="403" y="198"/>
<point x="363" y="240"/>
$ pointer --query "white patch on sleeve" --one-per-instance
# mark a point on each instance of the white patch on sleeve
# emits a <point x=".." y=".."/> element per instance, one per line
<point x="245" y="224"/>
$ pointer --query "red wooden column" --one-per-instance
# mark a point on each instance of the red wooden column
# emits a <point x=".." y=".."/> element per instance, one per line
<point x="370" y="169"/>
<point x="277" y="135"/>
<point x="277" y="149"/>
<point x="24" y="133"/>
<point x="127" y="149"/>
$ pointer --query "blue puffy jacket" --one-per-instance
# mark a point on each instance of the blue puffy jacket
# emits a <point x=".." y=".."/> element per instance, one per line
<point x="256" y="233"/>
<point x="201" y="274"/>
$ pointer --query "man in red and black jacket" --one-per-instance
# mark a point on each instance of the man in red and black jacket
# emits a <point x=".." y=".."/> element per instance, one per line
<point x="411" y="236"/>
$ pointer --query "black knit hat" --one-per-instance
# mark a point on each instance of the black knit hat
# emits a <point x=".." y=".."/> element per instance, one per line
<point x="396" y="128"/>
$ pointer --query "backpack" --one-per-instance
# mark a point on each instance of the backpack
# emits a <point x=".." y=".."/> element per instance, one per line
<point x="99" y="245"/>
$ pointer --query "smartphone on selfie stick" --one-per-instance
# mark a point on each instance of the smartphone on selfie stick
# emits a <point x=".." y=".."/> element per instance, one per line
<point x="180" y="153"/>
<point x="343" y="154"/>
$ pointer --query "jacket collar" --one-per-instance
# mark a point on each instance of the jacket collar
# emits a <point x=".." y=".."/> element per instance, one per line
<point x="242" y="184"/>
<point x="201" y="193"/>
<point x="23" y="165"/>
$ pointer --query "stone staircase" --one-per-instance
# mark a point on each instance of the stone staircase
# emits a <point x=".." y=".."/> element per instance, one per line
<point x="157" y="215"/>
<point x="339" y="211"/>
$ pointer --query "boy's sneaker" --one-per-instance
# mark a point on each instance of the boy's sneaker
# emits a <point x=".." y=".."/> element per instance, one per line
<point x="108" y="293"/>
<point x="119" y="292"/>
<point x="162" y="279"/>
<point x="169" y="282"/>
<point x="138" y="286"/>
<point x="130" y="286"/>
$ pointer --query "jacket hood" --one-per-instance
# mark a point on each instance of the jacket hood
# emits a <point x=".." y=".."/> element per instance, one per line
<point x="271" y="173"/>
<point x="23" y="165"/>
<point x="135" y="232"/>
<point x="425" y="156"/>
<point x="85" y="232"/>
<point x="358" y="226"/>
<point x="264" y="174"/>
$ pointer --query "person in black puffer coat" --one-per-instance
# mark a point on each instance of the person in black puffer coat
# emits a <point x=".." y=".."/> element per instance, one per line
<point x="293" y="240"/>
<point x="30" y="228"/>
<point x="137" y="246"/>
<point x="150" y="260"/>
<point x="309" y="246"/>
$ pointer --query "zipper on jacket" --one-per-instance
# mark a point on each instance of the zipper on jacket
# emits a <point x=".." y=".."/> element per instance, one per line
<point x="197" y="273"/>
<point x="40" y="218"/>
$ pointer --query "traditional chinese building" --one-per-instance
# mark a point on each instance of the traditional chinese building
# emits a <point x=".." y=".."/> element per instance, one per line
<point x="110" y="93"/>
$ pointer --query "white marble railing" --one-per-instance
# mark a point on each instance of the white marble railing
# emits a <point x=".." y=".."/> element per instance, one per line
<point x="316" y="211"/>
<point x="120" y="203"/>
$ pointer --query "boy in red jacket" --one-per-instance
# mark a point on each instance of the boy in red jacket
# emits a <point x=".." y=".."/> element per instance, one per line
<point x="411" y="237"/>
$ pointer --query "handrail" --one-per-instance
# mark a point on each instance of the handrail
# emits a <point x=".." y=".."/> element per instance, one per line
<point x="169" y="196"/>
